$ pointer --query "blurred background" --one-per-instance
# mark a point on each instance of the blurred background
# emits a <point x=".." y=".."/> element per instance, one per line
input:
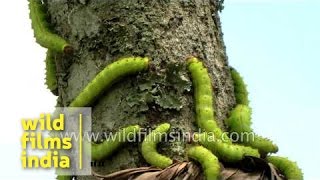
<point x="274" y="44"/>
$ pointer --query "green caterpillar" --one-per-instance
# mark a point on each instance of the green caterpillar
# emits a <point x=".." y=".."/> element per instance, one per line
<point x="51" y="79"/>
<point x="102" y="81"/>
<point x="240" y="88"/>
<point x="208" y="161"/>
<point x="42" y="31"/>
<point x="288" y="168"/>
<point x="109" y="146"/>
<point x="204" y="99"/>
<point x="240" y="122"/>
<point x="107" y="77"/>
<point x="149" y="147"/>
<point x="240" y="119"/>
<point x="224" y="151"/>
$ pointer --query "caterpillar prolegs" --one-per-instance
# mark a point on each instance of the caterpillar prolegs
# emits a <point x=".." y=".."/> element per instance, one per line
<point x="203" y="96"/>
<point x="288" y="168"/>
<point x="47" y="39"/>
<point x="239" y="120"/>
<point x="224" y="151"/>
<point x="220" y="145"/>
<point x="42" y="32"/>
<point x="208" y="161"/>
<point x="205" y="116"/>
<point x="149" y="147"/>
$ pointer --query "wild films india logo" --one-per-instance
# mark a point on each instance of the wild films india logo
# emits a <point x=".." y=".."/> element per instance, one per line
<point x="58" y="141"/>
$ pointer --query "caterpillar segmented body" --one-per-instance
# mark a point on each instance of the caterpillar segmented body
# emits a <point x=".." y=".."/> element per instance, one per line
<point x="149" y="147"/>
<point x="240" y="88"/>
<point x="51" y="79"/>
<point x="224" y="151"/>
<point x="209" y="162"/>
<point x="288" y="168"/>
<point x="109" y="146"/>
<point x="203" y="95"/>
<point x="42" y="32"/>
<point x="239" y="120"/>
<point x="100" y="83"/>
<point x="109" y="76"/>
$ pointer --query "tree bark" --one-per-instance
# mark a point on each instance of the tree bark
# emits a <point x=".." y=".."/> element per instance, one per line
<point x="167" y="31"/>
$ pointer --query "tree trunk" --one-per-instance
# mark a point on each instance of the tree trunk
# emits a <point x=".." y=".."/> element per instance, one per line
<point x="167" y="31"/>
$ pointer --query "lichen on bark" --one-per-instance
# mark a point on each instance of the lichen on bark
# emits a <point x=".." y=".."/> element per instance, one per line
<point x="167" y="31"/>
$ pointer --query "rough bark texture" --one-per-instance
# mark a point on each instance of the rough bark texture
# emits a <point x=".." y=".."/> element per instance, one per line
<point x="167" y="31"/>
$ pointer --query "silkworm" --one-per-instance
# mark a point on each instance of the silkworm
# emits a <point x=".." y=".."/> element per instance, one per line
<point x="109" y="146"/>
<point x="203" y="95"/>
<point x="51" y="79"/>
<point x="225" y="151"/>
<point x="107" y="77"/>
<point x="239" y="120"/>
<point x="240" y="123"/>
<point x="288" y="168"/>
<point x="42" y="32"/>
<point x="209" y="162"/>
<point x="240" y="88"/>
<point x="149" y="147"/>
